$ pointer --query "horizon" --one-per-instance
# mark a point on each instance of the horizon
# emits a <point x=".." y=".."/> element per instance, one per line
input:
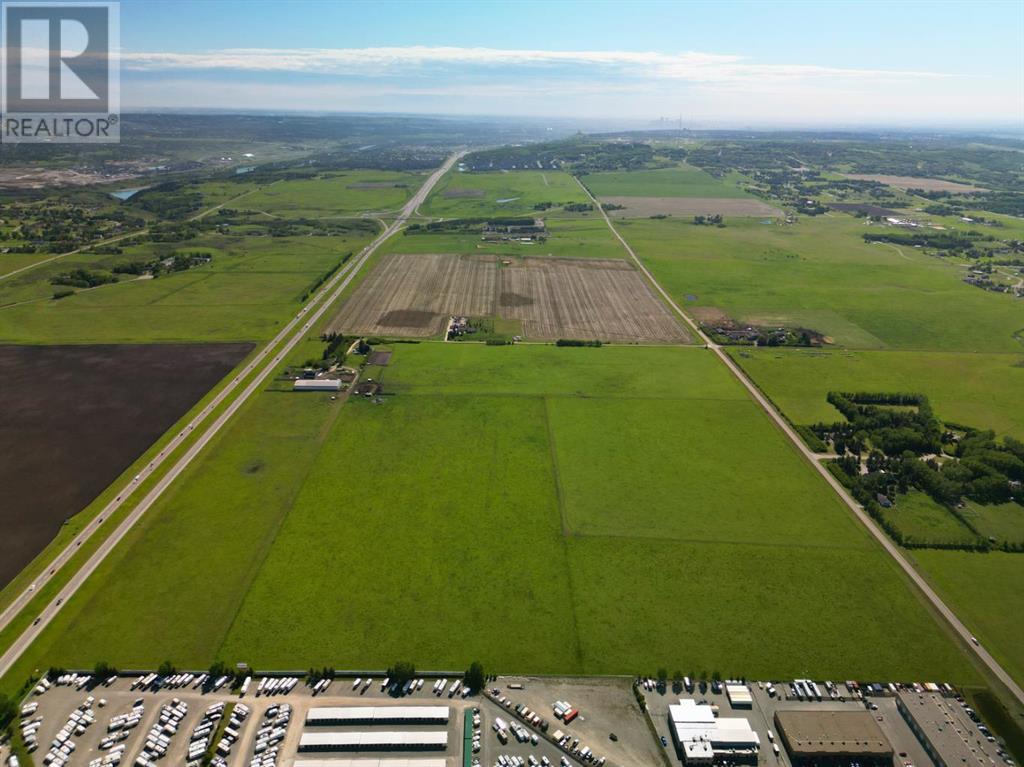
<point x="735" y="65"/>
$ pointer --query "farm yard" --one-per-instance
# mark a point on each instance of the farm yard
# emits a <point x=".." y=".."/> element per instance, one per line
<point x="502" y="453"/>
<point x="74" y="445"/>
<point x="414" y="295"/>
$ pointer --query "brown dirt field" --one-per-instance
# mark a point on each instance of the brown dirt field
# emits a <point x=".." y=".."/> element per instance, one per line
<point x="414" y="295"/>
<point x="911" y="182"/>
<point x="642" y="207"/>
<point x="462" y="193"/>
<point x="75" y="417"/>
<point x="711" y="315"/>
<point x="605" y="299"/>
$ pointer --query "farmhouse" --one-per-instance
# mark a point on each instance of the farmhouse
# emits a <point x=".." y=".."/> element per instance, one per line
<point x="815" y="737"/>
<point x="701" y="738"/>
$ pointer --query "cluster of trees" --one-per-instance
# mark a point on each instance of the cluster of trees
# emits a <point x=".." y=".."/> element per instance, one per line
<point x="578" y="207"/>
<point x="715" y="220"/>
<point x="580" y="155"/>
<point x="907" y="447"/>
<point x="172" y="200"/>
<point x="955" y="242"/>
<point x="83" y="278"/>
<point x="176" y="262"/>
<point x="466" y="225"/>
<point x="576" y="342"/>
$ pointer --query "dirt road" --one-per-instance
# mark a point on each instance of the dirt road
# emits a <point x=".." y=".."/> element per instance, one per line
<point x="294" y="332"/>
<point x="777" y="418"/>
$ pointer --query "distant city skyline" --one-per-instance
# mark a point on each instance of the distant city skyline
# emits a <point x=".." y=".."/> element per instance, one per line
<point x="733" y="64"/>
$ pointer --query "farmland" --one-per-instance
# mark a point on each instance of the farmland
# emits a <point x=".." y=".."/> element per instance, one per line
<point x="820" y="274"/>
<point x="913" y="182"/>
<point x="333" y="194"/>
<point x="684" y="181"/>
<point x="980" y="390"/>
<point x="414" y="295"/>
<point x="125" y="398"/>
<point x="505" y="193"/>
<point x="509" y="445"/>
<point x="645" y="207"/>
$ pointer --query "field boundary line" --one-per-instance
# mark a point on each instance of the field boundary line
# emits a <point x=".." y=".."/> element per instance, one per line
<point x="288" y="337"/>
<point x="780" y="421"/>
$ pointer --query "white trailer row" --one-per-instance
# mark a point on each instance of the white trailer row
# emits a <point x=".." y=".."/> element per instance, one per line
<point x="158" y="739"/>
<point x="276" y="685"/>
<point x="270" y="735"/>
<point x="63" y="744"/>
<point x="202" y="734"/>
<point x="321" y="686"/>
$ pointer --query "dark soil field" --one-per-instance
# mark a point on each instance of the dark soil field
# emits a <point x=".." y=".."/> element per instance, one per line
<point x="75" y="417"/>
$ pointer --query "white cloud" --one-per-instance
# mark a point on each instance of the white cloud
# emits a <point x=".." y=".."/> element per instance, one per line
<point x="688" y="66"/>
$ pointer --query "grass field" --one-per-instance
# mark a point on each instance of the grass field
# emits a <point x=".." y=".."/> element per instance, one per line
<point x="985" y="591"/>
<point x="471" y="507"/>
<point x="250" y="288"/>
<point x="684" y="181"/>
<point x="820" y="274"/>
<point x="505" y="193"/>
<point x="980" y="390"/>
<point x="921" y="519"/>
<point x="586" y="236"/>
<point x="333" y="194"/>
<point x="1002" y="521"/>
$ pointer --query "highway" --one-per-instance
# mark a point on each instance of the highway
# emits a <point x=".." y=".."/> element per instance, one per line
<point x="294" y="332"/>
<point x="779" y="420"/>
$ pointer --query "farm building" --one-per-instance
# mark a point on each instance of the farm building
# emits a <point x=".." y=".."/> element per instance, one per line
<point x="339" y="715"/>
<point x="378" y="740"/>
<point x="701" y="738"/>
<point x="818" y="737"/>
<point x="317" y="384"/>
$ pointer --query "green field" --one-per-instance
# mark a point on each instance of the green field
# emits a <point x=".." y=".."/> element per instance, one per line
<point x="1001" y="521"/>
<point x="979" y="390"/>
<point x="507" y="492"/>
<point x="684" y="181"/>
<point x="333" y="194"/>
<point x="252" y="286"/>
<point x="985" y="590"/>
<point x="583" y="237"/>
<point x="922" y="520"/>
<point x="502" y="193"/>
<point x="821" y="275"/>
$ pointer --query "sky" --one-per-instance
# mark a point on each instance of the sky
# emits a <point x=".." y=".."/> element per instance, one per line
<point x="717" y="64"/>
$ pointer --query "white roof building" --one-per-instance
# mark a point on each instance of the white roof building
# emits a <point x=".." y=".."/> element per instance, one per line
<point x="378" y="740"/>
<point x="317" y="384"/>
<point x="702" y="737"/>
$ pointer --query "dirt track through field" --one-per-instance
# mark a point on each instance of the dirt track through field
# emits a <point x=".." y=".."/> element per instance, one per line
<point x="603" y="299"/>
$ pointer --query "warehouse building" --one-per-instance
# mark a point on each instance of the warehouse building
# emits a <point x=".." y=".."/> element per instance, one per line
<point x="945" y="730"/>
<point x="317" y="384"/>
<point x="323" y="716"/>
<point x="376" y="740"/>
<point x="700" y="738"/>
<point x="833" y="738"/>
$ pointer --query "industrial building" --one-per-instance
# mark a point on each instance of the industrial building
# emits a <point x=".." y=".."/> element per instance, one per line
<point x="817" y="737"/>
<point x="317" y="384"/>
<point x="323" y="716"/>
<point x="376" y="740"/>
<point x="945" y="730"/>
<point x="701" y="738"/>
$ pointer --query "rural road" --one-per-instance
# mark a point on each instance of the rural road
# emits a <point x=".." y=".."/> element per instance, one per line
<point x="891" y="548"/>
<point x="298" y="326"/>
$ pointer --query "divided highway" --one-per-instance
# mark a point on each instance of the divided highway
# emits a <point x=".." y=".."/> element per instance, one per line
<point x="891" y="548"/>
<point x="291" y="334"/>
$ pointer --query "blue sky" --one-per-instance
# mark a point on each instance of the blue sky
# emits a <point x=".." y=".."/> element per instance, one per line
<point x="726" y="63"/>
